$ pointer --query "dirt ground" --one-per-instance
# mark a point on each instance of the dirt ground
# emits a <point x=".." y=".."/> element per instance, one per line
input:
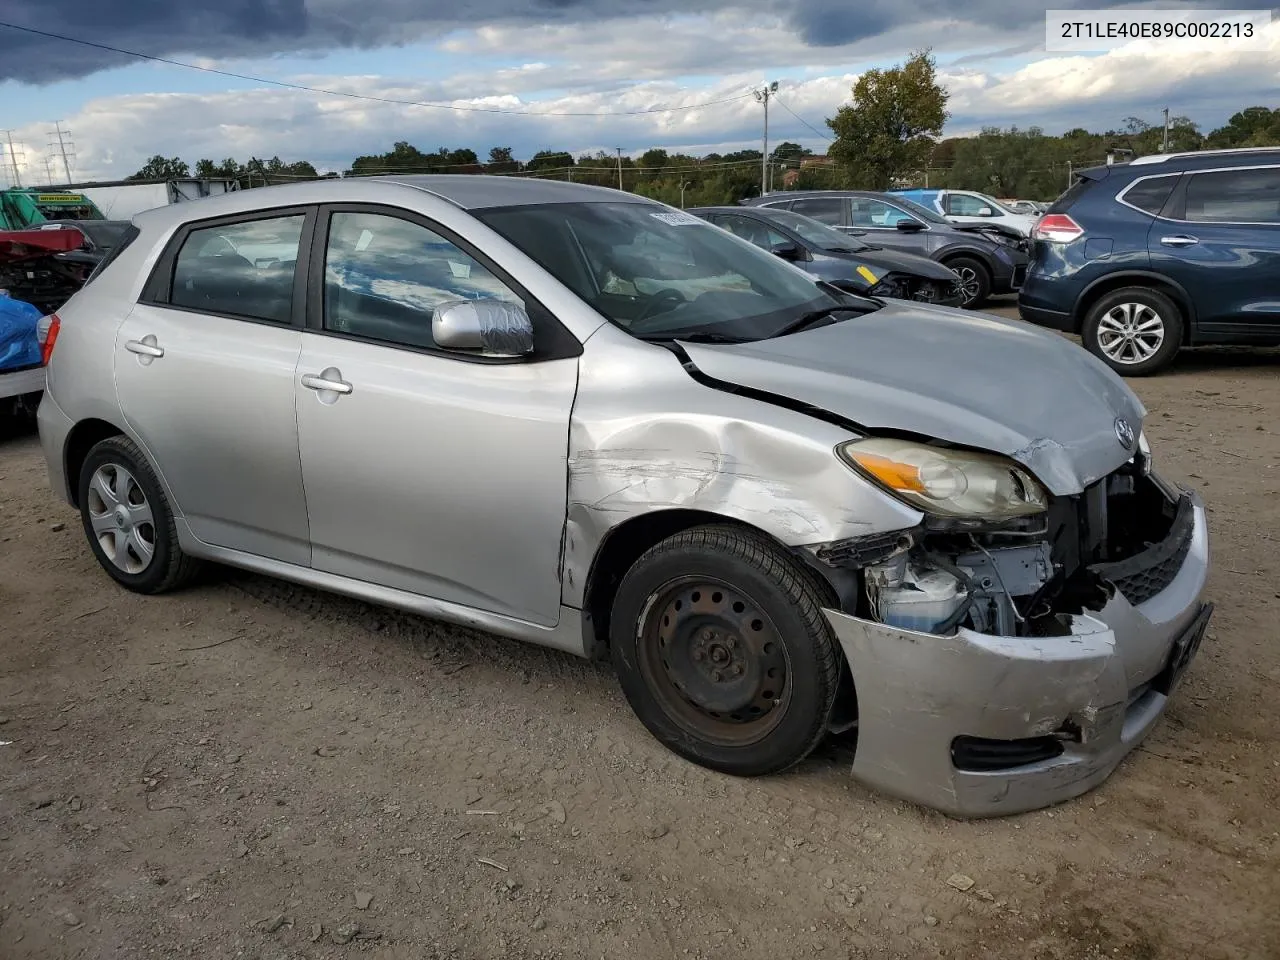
<point x="253" y="770"/>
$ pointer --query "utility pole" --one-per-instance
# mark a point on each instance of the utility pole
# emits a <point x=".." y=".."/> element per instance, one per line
<point x="1068" y="174"/>
<point x="619" y="149"/>
<point x="62" y="148"/>
<point x="1165" y="147"/>
<point x="683" y="184"/>
<point x="48" y="170"/>
<point x="13" y="159"/>
<point x="762" y="96"/>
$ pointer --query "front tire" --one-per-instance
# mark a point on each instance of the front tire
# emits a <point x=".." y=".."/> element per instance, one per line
<point x="1136" y="331"/>
<point x="975" y="281"/>
<point x="128" y="520"/>
<point x="723" y="652"/>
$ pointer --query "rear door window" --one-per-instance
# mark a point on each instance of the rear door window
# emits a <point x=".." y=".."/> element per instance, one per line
<point x="828" y="210"/>
<point x="243" y="269"/>
<point x="1234" y="196"/>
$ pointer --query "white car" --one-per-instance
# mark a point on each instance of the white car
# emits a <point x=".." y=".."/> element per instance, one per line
<point x="969" y="207"/>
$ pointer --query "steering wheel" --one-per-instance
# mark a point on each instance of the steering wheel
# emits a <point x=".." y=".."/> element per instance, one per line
<point x="665" y="295"/>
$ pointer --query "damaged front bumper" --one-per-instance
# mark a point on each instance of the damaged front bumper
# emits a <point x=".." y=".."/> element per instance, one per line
<point x="936" y="713"/>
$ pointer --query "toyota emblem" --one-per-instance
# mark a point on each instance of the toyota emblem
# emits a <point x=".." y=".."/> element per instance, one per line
<point x="1124" y="433"/>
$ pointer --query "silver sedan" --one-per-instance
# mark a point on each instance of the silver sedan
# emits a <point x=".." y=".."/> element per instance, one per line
<point x="583" y="419"/>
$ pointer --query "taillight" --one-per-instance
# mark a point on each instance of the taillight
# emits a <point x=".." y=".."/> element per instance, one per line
<point x="1056" y="228"/>
<point x="47" y="333"/>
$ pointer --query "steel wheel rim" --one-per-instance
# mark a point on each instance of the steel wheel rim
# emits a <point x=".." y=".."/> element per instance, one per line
<point x="969" y="286"/>
<point x="121" y="518"/>
<point x="715" y="661"/>
<point x="1130" y="333"/>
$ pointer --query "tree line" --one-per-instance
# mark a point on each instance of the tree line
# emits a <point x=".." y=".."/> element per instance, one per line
<point x="890" y="134"/>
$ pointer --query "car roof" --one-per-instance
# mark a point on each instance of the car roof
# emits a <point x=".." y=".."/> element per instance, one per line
<point x="785" y="196"/>
<point x="467" y="191"/>
<point x="1157" y="163"/>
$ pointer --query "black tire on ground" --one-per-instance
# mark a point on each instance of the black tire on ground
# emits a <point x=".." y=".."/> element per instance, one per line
<point x="975" y="278"/>
<point x="167" y="567"/>
<point x="1136" y="306"/>
<point x="722" y="649"/>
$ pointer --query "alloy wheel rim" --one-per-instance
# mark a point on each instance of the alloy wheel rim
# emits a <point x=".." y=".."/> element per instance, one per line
<point x="715" y="661"/>
<point x="969" y="285"/>
<point x="121" y="519"/>
<point x="1130" y="333"/>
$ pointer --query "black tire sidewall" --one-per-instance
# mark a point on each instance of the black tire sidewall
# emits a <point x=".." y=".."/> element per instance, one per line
<point x="809" y="701"/>
<point x="120" y="451"/>
<point x="1169" y="312"/>
<point x="984" y="279"/>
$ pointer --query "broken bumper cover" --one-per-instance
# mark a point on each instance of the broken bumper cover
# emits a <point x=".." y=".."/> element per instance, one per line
<point x="1098" y="691"/>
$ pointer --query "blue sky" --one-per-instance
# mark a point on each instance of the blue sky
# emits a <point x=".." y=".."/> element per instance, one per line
<point x="538" y="57"/>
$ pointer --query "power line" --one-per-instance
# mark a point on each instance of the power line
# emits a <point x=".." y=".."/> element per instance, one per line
<point x="824" y="136"/>
<point x="361" y="96"/>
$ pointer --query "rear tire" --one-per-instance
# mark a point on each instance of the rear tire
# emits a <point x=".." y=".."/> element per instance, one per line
<point x="1136" y="331"/>
<point x="975" y="281"/>
<point x="723" y="652"/>
<point x="128" y="521"/>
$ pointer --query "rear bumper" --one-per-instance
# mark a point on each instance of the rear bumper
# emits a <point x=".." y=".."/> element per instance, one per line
<point x="1099" y="692"/>
<point x="55" y="426"/>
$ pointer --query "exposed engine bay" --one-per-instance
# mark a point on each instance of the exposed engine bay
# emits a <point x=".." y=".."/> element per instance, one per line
<point x="922" y="289"/>
<point x="1129" y="532"/>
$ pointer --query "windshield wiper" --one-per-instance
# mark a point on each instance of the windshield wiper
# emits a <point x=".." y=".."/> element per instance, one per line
<point x="810" y="319"/>
<point x="690" y="338"/>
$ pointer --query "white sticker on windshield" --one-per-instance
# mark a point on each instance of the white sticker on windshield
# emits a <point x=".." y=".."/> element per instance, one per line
<point x="365" y="239"/>
<point x="676" y="218"/>
<point x="461" y="270"/>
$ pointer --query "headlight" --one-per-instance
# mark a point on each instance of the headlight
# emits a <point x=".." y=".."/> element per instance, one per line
<point x="947" y="483"/>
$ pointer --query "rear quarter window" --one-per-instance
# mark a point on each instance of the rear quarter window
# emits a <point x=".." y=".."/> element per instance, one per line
<point x="1151" y="193"/>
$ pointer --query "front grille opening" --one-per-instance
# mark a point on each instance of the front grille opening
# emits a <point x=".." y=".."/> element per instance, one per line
<point x="982" y="755"/>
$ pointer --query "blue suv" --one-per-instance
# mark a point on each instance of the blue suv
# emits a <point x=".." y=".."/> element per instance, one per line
<point x="1166" y="251"/>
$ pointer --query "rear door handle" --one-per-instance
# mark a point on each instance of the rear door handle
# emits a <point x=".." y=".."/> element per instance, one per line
<point x="146" y="347"/>
<point x="330" y="380"/>
<point x="1179" y="241"/>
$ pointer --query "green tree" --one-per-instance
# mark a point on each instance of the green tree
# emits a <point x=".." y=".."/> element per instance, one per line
<point x="1251" y="127"/>
<point x="501" y="161"/>
<point x="162" y="168"/>
<point x="549" y="160"/>
<point x="892" y="125"/>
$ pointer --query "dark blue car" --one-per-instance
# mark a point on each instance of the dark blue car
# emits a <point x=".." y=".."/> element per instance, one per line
<point x="838" y="258"/>
<point x="1166" y="251"/>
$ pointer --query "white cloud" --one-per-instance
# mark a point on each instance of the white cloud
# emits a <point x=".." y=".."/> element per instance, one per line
<point x="597" y="68"/>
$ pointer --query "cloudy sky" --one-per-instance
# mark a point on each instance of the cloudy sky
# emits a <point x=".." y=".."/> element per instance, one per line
<point x="576" y="75"/>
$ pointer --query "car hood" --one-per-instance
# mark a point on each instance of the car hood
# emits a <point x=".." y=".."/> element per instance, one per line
<point x="968" y="379"/>
<point x="892" y="260"/>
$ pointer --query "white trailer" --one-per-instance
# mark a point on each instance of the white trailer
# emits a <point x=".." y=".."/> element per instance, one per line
<point x="121" y="199"/>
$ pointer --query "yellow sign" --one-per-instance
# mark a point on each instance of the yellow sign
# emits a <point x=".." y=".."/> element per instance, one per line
<point x="866" y="275"/>
<point x="59" y="198"/>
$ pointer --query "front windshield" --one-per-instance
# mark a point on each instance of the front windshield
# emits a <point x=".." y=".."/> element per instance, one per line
<point x="664" y="274"/>
<point x="915" y="209"/>
<point x="818" y="234"/>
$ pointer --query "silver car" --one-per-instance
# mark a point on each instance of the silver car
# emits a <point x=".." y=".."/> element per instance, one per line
<point x="583" y="419"/>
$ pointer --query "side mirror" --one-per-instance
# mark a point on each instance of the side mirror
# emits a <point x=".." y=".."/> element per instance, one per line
<point x="909" y="226"/>
<point x="986" y="212"/>
<point x="493" y="327"/>
<point x="787" y="251"/>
